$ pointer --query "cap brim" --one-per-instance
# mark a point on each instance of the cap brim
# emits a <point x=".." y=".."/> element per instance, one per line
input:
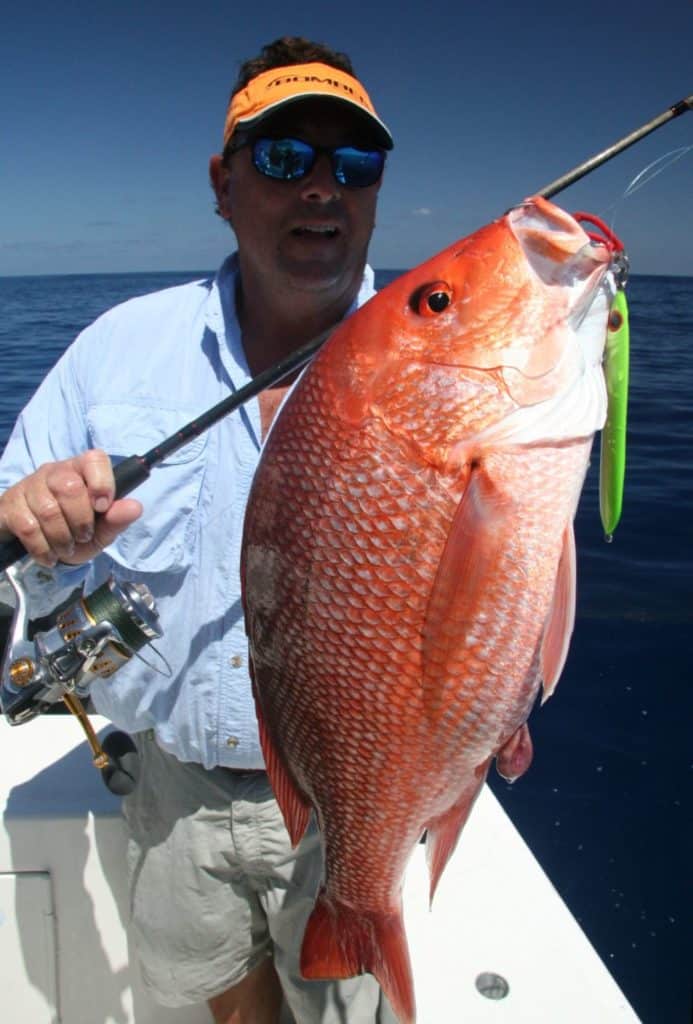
<point x="377" y="131"/>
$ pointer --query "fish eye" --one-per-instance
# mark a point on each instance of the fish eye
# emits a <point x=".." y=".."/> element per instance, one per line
<point x="432" y="299"/>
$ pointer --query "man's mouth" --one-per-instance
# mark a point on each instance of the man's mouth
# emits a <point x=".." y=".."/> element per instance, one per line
<point x="315" y="231"/>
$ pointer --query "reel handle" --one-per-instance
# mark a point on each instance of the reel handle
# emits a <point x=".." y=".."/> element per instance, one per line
<point x="122" y="772"/>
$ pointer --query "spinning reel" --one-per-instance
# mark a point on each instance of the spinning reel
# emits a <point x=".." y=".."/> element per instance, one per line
<point x="90" y="639"/>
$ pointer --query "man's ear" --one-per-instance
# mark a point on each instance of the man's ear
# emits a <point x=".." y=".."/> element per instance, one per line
<point x="219" y="180"/>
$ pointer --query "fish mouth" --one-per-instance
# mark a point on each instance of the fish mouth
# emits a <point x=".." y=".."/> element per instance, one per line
<point x="575" y="350"/>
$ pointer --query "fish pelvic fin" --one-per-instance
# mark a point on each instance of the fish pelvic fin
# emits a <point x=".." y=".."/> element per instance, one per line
<point x="515" y="756"/>
<point x="561" y="617"/>
<point x="295" y="807"/>
<point x="443" y="832"/>
<point x="341" y="941"/>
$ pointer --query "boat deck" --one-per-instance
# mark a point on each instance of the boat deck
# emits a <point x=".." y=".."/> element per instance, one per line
<point x="497" y="925"/>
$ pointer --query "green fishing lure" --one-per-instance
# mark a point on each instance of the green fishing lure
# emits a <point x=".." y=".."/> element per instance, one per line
<point x="612" y="463"/>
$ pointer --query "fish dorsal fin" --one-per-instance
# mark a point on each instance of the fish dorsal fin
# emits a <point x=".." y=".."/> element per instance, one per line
<point x="561" y="617"/>
<point x="480" y="528"/>
<point x="295" y="807"/>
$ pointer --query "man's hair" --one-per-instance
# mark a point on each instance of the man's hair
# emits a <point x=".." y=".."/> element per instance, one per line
<point x="290" y="50"/>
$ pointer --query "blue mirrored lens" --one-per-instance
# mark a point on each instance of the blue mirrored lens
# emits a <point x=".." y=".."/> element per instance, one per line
<point x="291" y="159"/>
<point x="357" y="168"/>
<point x="285" y="159"/>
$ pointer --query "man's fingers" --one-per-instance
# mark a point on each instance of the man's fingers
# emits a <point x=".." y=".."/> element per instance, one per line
<point x="19" y="521"/>
<point x="106" y="528"/>
<point x="96" y="470"/>
<point x="119" y="516"/>
<point x="54" y="511"/>
<point x="62" y="504"/>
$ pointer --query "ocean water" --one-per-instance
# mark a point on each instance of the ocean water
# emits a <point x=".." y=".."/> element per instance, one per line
<point x="606" y="804"/>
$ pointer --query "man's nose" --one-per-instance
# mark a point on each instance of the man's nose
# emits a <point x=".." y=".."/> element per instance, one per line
<point x="320" y="184"/>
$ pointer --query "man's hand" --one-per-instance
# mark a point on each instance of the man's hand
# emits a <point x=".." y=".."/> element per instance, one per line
<point x="65" y="510"/>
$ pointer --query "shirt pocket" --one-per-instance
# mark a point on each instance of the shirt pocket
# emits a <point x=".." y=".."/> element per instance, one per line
<point x="162" y="539"/>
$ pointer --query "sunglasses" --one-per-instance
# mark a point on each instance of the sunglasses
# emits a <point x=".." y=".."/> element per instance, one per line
<point x="291" y="159"/>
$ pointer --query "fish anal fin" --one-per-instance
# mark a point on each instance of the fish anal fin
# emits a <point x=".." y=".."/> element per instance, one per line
<point x="341" y="941"/>
<point x="561" y="617"/>
<point x="482" y="521"/>
<point x="444" y="831"/>
<point x="295" y="807"/>
<point x="515" y="756"/>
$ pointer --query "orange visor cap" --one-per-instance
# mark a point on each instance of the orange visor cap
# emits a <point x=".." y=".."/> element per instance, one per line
<point x="268" y="92"/>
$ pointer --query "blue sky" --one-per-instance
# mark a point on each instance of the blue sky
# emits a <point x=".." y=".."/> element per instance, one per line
<point x="110" y="112"/>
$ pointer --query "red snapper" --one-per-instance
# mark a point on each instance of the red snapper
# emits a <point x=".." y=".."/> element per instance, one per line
<point x="409" y="561"/>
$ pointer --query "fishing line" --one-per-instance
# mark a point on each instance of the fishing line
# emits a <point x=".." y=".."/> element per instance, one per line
<point x="671" y="158"/>
<point x="644" y="177"/>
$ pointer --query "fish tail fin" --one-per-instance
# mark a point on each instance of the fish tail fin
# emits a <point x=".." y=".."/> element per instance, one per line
<point x="340" y="942"/>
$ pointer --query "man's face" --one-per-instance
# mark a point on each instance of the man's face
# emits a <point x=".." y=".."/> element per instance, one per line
<point x="307" y="235"/>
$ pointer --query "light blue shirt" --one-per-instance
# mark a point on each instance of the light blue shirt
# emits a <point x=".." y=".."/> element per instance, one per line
<point x="132" y="378"/>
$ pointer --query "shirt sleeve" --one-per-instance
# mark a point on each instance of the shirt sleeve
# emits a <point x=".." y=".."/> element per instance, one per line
<point x="51" y="427"/>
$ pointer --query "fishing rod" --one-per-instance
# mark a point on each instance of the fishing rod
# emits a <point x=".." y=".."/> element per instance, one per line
<point x="135" y="469"/>
<point x="606" y="154"/>
<point x="97" y="633"/>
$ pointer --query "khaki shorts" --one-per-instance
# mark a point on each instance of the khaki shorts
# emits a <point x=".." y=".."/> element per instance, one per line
<point x="216" y="888"/>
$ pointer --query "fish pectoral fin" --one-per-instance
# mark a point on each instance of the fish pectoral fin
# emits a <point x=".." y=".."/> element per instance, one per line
<point x="561" y="618"/>
<point x="483" y="521"/>
<point x="443" y="832"/>
<point x="295" y="807"/>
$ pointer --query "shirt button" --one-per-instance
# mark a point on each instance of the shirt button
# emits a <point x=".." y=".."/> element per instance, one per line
<point x="232" y="742"/>
<point x="237" y="661"/>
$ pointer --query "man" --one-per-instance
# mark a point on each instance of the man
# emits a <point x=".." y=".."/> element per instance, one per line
<point x="219" y="898"/>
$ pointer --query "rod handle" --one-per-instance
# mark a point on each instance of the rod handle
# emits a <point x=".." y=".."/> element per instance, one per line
<point x="129" y="474"/>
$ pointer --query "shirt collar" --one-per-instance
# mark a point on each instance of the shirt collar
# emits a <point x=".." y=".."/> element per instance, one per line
<point x="221" y="316"/>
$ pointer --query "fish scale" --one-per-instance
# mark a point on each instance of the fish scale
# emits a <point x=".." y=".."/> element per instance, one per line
<point x="408" y="562"/>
